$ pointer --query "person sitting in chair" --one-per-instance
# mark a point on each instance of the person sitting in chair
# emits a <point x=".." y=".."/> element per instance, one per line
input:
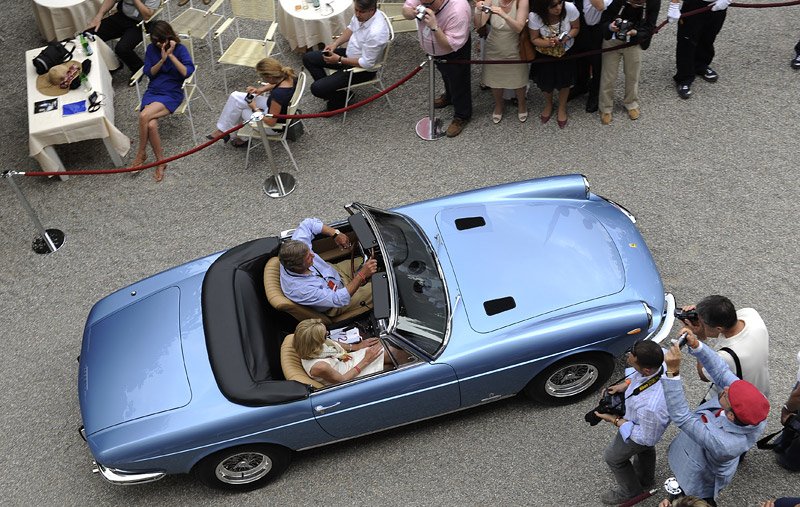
<point x="331" y="362"/>
<point x="124" y="25"/>
<point x="366" y="37"/>
<point x="308" y="280"/>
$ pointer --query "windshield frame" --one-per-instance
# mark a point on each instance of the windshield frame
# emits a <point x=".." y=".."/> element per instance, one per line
<point x="366" y="211"/>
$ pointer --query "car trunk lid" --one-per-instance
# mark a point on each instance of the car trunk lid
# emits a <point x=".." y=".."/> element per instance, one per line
<point x="131" y="364"/>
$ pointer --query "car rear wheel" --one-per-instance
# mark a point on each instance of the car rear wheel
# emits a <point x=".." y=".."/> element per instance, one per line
<point x="570" y="379"/>
<point x="243" y="468"/>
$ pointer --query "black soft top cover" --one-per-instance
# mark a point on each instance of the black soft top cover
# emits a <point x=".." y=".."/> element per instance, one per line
<point x="243" y="346"/>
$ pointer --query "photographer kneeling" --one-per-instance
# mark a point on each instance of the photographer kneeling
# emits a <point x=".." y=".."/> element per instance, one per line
<point x="640" y="429"/>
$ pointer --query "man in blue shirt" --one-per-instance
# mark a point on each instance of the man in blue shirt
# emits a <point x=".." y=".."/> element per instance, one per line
<point x="705" y="454"/>
<point x="308" y="280"/>
<point x="645" y="420"/>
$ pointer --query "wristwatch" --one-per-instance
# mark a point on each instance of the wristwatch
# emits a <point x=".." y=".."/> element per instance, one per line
<point x="336" y="232"/>
<point x="672" y="374"/>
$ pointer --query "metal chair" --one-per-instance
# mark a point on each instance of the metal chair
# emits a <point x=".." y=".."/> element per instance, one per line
<point x="189" y="87"/>
<point x="394" y="11"/>
<point x="200" y="23"/>
<point x="377" y="81"/>
<point x="252" y="133"/>
<point x="242" y="51"/>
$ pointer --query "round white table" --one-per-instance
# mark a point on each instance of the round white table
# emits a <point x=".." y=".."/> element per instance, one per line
<point x="59" y="19"/>
<point x="306" y="26"/>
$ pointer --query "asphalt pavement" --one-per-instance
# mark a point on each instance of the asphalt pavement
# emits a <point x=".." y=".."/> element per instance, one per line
<point x="712" y="181"/>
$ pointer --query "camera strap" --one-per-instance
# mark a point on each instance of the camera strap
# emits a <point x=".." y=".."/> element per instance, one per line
<point x="647" y="383"/>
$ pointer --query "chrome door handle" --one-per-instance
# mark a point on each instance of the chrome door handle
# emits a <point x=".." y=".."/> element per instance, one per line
<point x="320" y="408"/>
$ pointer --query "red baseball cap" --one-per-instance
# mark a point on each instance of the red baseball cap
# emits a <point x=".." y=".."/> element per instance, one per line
<point x="747" y="402"/>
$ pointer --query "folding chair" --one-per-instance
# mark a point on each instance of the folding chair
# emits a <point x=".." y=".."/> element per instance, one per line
<point x="189" y="87"/>
<point x="394" y="11"/>
<point x="377" y="81"/>
<point x="242" y="51"/>
<point x="251" y="132"/>
<point x="200" y="23"/>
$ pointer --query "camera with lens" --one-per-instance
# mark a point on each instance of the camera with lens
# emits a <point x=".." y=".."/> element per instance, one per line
<point x="612" y="404"/>
<point x="686" y="315"/>
<point x="624" y="27"/>
<point x="486" y="9"/>
<point x="249" y="98"/>
<point x="421" y="10"/>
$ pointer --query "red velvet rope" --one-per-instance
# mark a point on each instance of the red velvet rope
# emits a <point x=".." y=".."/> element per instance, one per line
<point x="212" y="141"/>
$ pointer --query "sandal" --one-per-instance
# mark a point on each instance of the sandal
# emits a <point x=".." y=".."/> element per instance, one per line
<point x="496" y="118"/>
<point x="159" y="174"/>
<point x="238" y="143"/>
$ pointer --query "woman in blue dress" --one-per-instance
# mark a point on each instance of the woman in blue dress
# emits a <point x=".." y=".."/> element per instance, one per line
<point x="167" y="63"/>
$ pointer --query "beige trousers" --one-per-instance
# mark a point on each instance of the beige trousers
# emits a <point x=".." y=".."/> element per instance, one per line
<point x="362" y="296"/>
<point x="631" y="66"/>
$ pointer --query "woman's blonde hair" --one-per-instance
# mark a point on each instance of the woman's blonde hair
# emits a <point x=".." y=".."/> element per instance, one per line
<point x="309" y="336"/>
<point x="270" y="67"/>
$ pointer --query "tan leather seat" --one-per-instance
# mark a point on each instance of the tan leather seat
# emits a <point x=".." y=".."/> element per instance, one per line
<point x="279" y="301"/>
<point x="292" y="366"/>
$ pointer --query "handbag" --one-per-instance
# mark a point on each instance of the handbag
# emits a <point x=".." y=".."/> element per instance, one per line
<point x="526" y="50"/>
<point x="54" y="54"/>
<point x="556" y="51"/>
<point x="295" y="129"/>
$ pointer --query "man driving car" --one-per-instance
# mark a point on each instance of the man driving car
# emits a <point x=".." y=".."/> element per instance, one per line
<point x="308" y="280"/>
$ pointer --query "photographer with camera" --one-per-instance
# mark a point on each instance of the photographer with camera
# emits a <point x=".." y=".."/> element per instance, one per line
<point x="640" y="427"/>
<point x="742" y="334"/>
<point x="366" y="38"/>
<point x="625" y="21"/>
<point x="444" y="27"/>
<point x="705" y="454"/>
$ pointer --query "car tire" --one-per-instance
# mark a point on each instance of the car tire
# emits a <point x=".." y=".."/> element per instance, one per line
<point x="243" y="468"/>
<point x="570" y="379"/>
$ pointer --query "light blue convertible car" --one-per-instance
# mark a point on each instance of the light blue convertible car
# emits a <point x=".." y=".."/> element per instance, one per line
<point x="530" y="287"/>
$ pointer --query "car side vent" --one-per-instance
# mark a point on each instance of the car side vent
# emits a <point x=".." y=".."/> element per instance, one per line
<point x="469" y="223"/>
<point x="495" y="306"/>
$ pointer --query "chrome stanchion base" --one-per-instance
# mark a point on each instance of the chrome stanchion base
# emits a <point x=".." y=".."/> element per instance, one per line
<point x="424" y="129"/>
<point x="279" y="186"/>
<point x="39" y="244"/>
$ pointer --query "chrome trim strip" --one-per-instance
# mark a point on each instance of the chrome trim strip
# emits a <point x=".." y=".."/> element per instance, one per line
<point x="406" y="423"/>
<point x="658" y="335"/>
<point x="586" y="185"/>
<point x="123" y="478"/>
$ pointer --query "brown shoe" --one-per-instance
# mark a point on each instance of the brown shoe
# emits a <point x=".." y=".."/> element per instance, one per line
<point x="456" y="126"/>
<point x="440" y="102"/>
<point x="633" y="114"/>
<point x="181" y="3"/>
<point x="605" y="118"/>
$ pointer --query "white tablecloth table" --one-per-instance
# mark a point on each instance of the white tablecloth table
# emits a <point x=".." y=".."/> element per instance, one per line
<point x="308" y="26"/>
<point x="51" y="128"/>
<point x="59" y="19"/>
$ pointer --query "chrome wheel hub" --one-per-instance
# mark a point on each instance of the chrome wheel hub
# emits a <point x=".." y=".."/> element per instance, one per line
<point x="243" y="468"/>
<point x="571" y="380"/>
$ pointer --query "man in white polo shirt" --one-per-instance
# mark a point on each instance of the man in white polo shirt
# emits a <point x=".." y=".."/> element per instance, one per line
<point x="366" y="37"/>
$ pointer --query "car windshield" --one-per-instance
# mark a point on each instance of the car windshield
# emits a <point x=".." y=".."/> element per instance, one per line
<point x="421" y="299"/>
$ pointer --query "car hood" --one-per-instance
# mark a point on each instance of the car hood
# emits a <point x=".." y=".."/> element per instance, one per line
<point x="131" y="363"/>
<point x="517" y="261"/>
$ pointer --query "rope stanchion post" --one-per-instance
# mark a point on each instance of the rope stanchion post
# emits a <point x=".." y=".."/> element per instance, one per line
<point x="278" y="184"/>
<point x="48" y="240"/>
<point x="429" y="128"/>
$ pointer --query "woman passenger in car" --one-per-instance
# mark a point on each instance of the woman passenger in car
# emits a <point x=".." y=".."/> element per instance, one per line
<point x="330" y="362"/>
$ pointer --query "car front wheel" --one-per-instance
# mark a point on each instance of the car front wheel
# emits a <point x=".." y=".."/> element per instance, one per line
<point x="570" y="379"/>
<point x="243" y="468"/>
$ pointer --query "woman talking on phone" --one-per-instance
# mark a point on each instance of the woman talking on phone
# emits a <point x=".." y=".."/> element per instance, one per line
<point x="167" y="63"/>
